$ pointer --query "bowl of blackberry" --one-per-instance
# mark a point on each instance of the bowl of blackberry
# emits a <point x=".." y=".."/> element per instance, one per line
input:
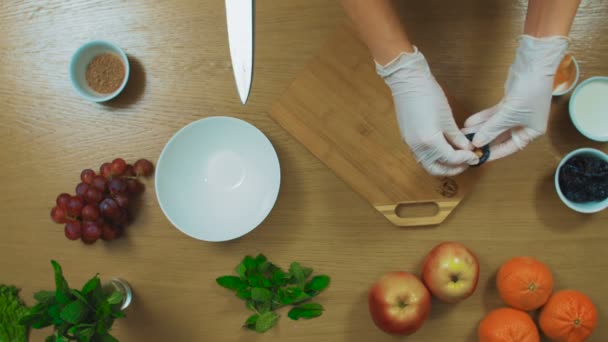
<point x="581" y="180"/>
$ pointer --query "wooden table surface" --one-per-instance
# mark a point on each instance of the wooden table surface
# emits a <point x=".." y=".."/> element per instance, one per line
<point x="182" y="72"/>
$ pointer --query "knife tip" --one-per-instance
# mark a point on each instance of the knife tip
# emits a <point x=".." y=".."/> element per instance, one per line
<point x="244" y="96"/>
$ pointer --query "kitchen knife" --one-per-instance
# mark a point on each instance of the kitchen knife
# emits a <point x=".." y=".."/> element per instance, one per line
<point x="239" y="18"/>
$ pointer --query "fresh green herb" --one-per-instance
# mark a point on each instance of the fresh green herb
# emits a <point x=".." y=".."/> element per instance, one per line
<point x="316" y="285"/>
<point x="265" y="288"/>
<point x="250" y="322"/>
<point x="266" y="321"/>
<point x="231" y="283"/>
<point x="297" y="275"/>
<point x="84" y="316"/>
<point x="12" y="310"/>
<point x="307" y="311"/>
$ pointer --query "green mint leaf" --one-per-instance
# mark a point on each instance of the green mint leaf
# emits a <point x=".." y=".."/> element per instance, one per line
<point x="269" y="268"/>
<point x="231" y="283"/>
<point x="30" y="318"/>
<point x="293" y="295"/>
<point x="241" y="270"/>
<point x="260" y="259"/>
<point x="91" y="285"/>
<point x="297" y="275"/>
<point x="54" y="311"/>
<point x="266" y="321"/>
<point x="244" y="293"/>
<point x="266" y="283"/>
<point x="44" y="321"/>
<point x="318" y="283"/>
<point x="61" y="297"/>
<point x="44" y="296"/>
<point x="61" y="339"/>
<point x="74" y="312"/>
<point x="50" y="339"/>
<point x="306" y="311"/>
<point x="264" y="267"/>
<point x="62" y="292"/>
<point x="250" y="322"/>
<point x="250" y="263"/>
<point x="115" y="298"/>
<point x="85" y="333"/>
<point x="79" y="296"/>
<point x="106" y="338"/>
<point x="279" y="277"/>
<point x="104" y="311"/>
<point x="302" y="297"/>
<point x="254" y="281"/>
<point x="73" y="329"/>
<point x="259" y="294"/>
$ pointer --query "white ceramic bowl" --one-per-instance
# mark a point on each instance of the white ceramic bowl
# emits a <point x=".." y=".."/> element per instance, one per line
<point x="593" y="102"/>
<point x="588" y="207"/>
<point x="217" y="179"/>
<point x="560" y="92"/>
<point x="80" y="61"/>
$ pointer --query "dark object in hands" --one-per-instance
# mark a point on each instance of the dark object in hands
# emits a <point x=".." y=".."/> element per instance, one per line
<point x="483" y="153"/>
<point x="584" y="179"/>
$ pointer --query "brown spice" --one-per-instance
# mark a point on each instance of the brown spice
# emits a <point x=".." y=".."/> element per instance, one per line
<point x="105" y="73"/>
<point x="565" y="74"/>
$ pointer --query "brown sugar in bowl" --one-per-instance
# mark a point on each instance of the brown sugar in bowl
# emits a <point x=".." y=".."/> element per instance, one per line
<point x="566" y="76"/>
<point x="99" y="71"/>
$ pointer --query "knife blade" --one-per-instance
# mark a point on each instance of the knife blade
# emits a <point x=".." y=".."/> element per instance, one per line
<point x="239" y="18"/>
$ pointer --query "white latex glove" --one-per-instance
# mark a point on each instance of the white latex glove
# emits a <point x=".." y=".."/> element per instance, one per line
<point x="425" y="117"/>
<point x="523" y="113"/>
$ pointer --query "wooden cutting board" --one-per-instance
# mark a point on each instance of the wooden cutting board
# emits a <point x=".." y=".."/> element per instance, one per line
<point x="343" y="113"/>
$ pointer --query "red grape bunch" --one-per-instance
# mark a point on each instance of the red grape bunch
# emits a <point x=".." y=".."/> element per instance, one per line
<point x="100" y="208"/>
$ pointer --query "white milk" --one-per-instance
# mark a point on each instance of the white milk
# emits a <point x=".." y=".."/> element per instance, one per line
<point x="590" y="109"/>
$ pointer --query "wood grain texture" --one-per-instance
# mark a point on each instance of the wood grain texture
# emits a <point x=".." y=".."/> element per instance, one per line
<point x="343" y="113"/>
<point x="181" y="63"/>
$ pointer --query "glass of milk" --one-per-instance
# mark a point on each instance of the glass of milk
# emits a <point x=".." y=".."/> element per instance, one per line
<point x="589" y="108"/>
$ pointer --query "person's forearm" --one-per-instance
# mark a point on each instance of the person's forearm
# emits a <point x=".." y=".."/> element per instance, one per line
<point x="550" y="17"/>
<point x="379" y="27"/>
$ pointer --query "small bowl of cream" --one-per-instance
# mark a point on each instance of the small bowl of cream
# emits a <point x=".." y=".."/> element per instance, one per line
<point x="566" y="76"/>
<point x="589" y="108"/>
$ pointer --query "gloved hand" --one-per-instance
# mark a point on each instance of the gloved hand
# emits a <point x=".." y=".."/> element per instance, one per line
<point x="523" y="113"/>
<point x="425" y="117"/>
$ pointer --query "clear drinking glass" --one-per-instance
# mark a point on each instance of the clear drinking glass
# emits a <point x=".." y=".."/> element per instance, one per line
<point x="120" y="285"/>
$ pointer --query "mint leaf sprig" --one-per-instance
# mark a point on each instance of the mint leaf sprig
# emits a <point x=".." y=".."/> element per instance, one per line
<point x="78" y="315"/>
<point x="265" y="287"/>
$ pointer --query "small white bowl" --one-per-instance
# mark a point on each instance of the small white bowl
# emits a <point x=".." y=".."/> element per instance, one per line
<point x="588" y="207"/>
<point x="569" y="89"/>
<point x="593" y="103"/>
<point x="80" y="61"/>
<point x="217" y="179"/>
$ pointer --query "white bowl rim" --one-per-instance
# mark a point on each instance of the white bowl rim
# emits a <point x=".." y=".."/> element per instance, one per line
<point x="208" y="119"/>
<point x="78" y="87"/>
<point x="566" y="91"/>
<point x="573" y="205"/>
<point x="571" y="112"/>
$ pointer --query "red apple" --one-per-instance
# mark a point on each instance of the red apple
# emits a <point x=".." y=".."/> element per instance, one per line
<point x="451" y="272"/>
<point x="399" y="303"/>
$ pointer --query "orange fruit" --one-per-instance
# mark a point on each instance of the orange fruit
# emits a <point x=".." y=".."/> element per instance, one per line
<point x="568" y="316"/>
<point x="507" y="325"/>
<point x="524" y="283"/>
